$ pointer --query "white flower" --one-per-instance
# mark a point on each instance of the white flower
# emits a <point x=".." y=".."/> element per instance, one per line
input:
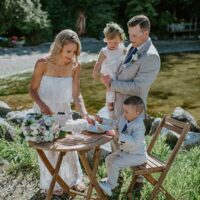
<point x="134" y="57"/>
<point x="34" y="126"/>
<point x="48" y="122"/>
<point x="35" y="132"/>
<point x="40" y="128"/>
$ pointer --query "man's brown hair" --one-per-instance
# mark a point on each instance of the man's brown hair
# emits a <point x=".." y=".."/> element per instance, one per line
<point x="142" y="21"/>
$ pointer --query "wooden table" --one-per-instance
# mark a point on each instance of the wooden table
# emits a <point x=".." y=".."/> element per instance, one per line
<point x="82" y="145"/>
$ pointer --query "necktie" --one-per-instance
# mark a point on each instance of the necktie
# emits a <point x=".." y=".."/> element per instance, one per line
<point x="124" y="128"/>
<point x="130" y="54"/>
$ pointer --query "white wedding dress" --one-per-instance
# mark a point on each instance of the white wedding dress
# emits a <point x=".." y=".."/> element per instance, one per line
<point x="56" y="92"/>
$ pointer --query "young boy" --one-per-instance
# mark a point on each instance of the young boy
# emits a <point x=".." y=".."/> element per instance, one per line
<point x="132" y="151"/>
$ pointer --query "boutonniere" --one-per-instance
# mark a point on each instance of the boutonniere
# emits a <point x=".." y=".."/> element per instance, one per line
<point x="134" y="57"/>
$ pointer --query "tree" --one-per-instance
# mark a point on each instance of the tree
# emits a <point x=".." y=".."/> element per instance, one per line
<point x="22" y="17"/>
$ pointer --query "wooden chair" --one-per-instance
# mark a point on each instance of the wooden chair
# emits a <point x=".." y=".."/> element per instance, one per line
<point x="153" y="164"/>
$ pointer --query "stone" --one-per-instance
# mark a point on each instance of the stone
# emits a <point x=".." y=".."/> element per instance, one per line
<point x="6" y="130"/>
<point x="4" y="109"/>
<point x="192" y="139"/>
<point x="184" y="116"/>
<point x="17" y="117"/>
<point x="154" y="125"/>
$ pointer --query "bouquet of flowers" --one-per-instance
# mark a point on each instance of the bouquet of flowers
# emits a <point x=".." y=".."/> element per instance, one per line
<point x="40" y="128"/>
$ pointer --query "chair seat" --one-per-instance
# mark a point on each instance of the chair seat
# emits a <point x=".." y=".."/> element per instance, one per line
<point x="152" y="165"/>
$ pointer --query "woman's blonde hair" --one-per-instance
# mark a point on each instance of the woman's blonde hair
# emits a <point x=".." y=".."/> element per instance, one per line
<point x="62" y="38"/>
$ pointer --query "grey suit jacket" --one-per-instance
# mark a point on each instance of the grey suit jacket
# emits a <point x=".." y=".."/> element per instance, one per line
<point x="136" y="77"/>
<point x="132" y="140"/>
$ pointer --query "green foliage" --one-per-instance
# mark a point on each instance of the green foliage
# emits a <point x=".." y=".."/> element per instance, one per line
<point x="19" y="155"/>
<point x="57" y="15"/>
<point x="2" y="131"/>
<point x="22" y="17"/>
<point x="15" y="84"/>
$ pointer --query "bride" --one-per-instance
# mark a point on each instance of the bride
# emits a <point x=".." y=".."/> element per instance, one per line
<point x="55" y="84"/>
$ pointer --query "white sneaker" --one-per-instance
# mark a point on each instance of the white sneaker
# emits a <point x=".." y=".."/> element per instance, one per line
<point x="106" y="188"/>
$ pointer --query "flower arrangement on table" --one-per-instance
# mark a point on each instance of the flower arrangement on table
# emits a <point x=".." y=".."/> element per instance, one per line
<point x="37" y="127"/>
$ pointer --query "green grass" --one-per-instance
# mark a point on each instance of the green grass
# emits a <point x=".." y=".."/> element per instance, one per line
<point x="182" y="181"/>
<point x="176" y="85"/>
<point x="20" y="156"/>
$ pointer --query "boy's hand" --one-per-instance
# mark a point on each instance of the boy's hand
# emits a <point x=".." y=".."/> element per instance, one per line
<point x="98" y="118"/>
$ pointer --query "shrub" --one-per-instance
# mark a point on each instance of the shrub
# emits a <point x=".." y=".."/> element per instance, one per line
<point x="22" y="17"/>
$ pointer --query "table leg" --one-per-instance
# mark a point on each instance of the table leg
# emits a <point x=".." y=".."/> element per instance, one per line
<point x="56" y="171"/>
<point x="52" y="170"/>
<point x="92" y="174"/>
<point x="95" y="167"/>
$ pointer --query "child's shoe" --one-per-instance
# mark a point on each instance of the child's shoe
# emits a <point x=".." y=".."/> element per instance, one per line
<point x="105" y="186"/>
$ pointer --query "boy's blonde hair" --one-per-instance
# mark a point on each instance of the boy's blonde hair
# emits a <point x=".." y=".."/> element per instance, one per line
<point x="112" y="30"/>
<point x="62" y="38"/>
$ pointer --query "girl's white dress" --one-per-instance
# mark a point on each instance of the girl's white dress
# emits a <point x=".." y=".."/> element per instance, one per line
<point x="56" y="92"/>
<point x="111" y="65"/>
<point x="112" y="61"/>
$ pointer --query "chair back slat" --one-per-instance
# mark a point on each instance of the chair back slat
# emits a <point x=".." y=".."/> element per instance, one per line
<point x="171" y="127"/>
<point x="174" y="122"/>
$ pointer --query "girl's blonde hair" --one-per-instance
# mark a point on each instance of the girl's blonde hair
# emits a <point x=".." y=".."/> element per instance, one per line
<point x="112" y="30"/>
<point x="64" y="37"/>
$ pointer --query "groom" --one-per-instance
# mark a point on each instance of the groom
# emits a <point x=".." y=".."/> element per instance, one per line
<point x="138" y="69"/>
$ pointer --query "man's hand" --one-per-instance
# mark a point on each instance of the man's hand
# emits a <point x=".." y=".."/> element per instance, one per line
<point x="98" y="118"/>
<point x="106" y="80"/>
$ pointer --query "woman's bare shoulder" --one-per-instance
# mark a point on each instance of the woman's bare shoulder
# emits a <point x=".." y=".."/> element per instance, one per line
<point x="41" y="64"/>
<point x="42" y="61"/>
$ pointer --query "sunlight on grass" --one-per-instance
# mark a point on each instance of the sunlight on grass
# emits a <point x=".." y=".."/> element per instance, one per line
<point x="176" y="85"/>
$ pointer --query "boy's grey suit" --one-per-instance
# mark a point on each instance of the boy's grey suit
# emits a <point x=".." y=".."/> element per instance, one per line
<point x="132" y="151"/>
<point x="136" y="77"/>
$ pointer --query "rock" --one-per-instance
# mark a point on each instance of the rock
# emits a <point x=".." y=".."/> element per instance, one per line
<point x="170" y="137"/>
<point x="154" y="125"/>
<point x="192" y="139"/>
<point x="4" y="109"/>
<point x="6" y="130"/>
<point x="184" y="116"/>
<point x="17" y="117"/>
<point x="148" y="123"/>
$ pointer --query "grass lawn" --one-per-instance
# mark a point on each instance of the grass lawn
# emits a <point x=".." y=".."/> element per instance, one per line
<point x="176" y="85"/>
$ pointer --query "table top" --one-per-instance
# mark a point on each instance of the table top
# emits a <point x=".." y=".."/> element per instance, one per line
<point x="84" y="141"/>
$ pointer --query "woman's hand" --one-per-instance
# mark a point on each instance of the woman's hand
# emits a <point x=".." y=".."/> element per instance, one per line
<point x="89" y="119"/>
<point x="45" y="110"/>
